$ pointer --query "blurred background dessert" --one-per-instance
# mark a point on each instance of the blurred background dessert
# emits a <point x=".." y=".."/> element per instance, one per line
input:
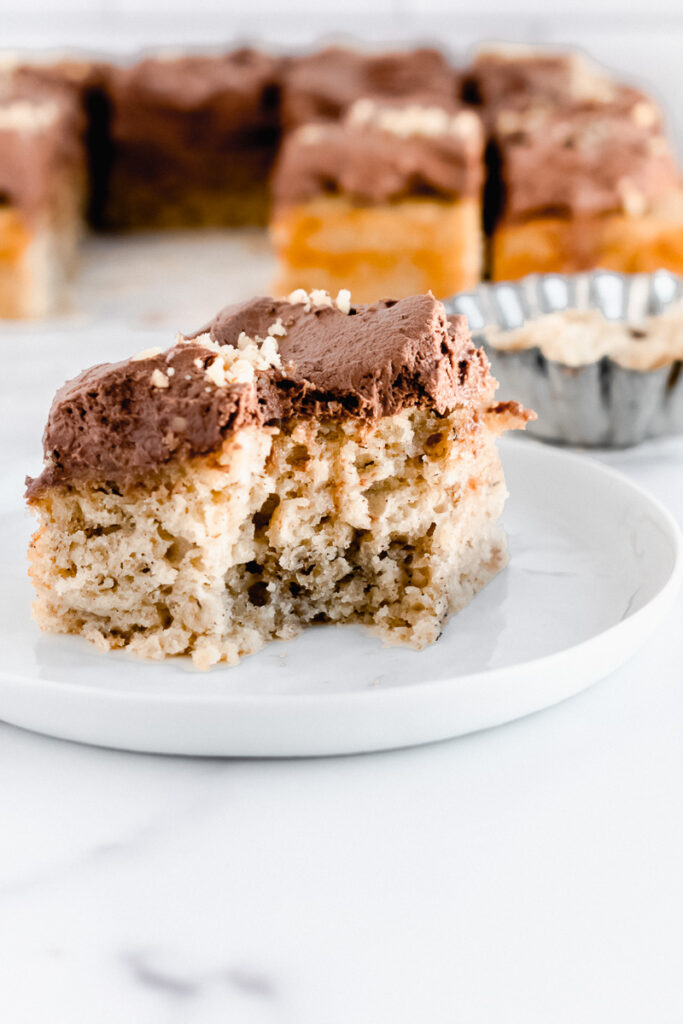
<point x="389" y="171"/>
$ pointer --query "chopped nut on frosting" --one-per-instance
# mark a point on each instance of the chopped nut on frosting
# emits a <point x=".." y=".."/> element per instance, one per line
<point x="27" y="115"/>
<point x="319" y="298"/>
<point x="413" y="119"/>
<point x="588" y="81"/>
<point x="633" y="201"/>
<point x="343" y="301"/>
<point x="277" y="329"/>
<point x="645" y="114"/>
<point x="159" y="379"/>
<point x="310" y="134"/>
<point x="237" y="364"/>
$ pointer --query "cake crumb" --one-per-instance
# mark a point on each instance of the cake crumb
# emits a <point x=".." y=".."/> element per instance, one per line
<point x="159" y="379"/>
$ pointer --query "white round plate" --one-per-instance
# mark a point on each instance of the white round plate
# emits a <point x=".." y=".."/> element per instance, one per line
<point x="594" y="565"/>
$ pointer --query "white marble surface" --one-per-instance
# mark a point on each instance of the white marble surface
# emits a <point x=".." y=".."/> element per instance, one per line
<point x="526" y="874"/>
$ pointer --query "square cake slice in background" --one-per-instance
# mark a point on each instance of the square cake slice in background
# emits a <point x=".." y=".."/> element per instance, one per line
<point x="42" y="193"/>
<point x="385" y="202"/>
<point x="586" y="185"/>
<point x="193" y="139"/>
<point x="298" y="461"/>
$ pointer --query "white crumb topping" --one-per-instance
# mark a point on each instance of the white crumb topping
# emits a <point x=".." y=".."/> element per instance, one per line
<point x="414" y="120"/>
<point x="238" y="364"/>
<point x="645" y="114"/>
<point x="159" y="379"/>
<point x="310" y="134"/>
<point x="171" y="371"/>
<point x="509" y="122"/>
<point x="277" y="329"/>
<point x="633" y="202"/>
<point x="319" y="299"/>
<point x="343" y="301"/>
<point x="147" y="353"/>
<point x="588" y="81"/>
<point x="513" y="52"/>
<point x="27" y="115"/>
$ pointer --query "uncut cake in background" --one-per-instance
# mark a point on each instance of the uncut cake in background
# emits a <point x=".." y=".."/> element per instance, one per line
<point x="43" y="193"/>
<point x="192" y="140"/>
<point x="380" y="169"/>
<point x="386" y="200"/>
<point x="298" y="461"/>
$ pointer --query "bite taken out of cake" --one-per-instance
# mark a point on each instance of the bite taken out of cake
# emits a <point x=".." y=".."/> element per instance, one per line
<point x="298" y="461"/>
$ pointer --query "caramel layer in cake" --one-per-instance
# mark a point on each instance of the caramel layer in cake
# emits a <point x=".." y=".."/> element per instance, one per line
<point x="388" y="201"/>
<point x="298" y="461"/>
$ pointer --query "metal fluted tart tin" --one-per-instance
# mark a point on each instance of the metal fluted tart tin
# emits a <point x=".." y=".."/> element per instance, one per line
<point x="599" y="404"/>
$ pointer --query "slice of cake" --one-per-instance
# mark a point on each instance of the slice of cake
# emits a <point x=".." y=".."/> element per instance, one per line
<point x="193" y="140"/>
<point x="322" y="86"/>
<point x="386" y="202"/>
<point x="586" y="185"/>
<point x="84" y="80"/>
<point x="298" y="461"/>
<point x="42" y="194"/>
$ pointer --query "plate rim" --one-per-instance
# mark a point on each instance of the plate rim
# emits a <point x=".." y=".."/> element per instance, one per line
<point x="664" y="596"/>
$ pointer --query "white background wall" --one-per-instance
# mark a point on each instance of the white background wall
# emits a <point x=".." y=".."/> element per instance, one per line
<point x="642" y="39"/>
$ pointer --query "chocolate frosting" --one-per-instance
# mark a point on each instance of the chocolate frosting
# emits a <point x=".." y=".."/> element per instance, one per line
<point x="496" y="79"/>
<point x="582" y="160"/>
<point x="234" y="92"/>
<point x="43" y="145"/>
<point x="323" y="85"/>
<point x="371" y="165"/>
<point x="112" y="423"/>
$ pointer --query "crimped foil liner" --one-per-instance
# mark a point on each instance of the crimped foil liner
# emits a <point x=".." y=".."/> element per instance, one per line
<point x="601" y="404"/>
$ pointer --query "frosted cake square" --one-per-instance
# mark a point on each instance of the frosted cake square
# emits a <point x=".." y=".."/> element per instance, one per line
<point x="385" y="202"/>
<point x="298" y="461"/>
<point x="42" y="193"/>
